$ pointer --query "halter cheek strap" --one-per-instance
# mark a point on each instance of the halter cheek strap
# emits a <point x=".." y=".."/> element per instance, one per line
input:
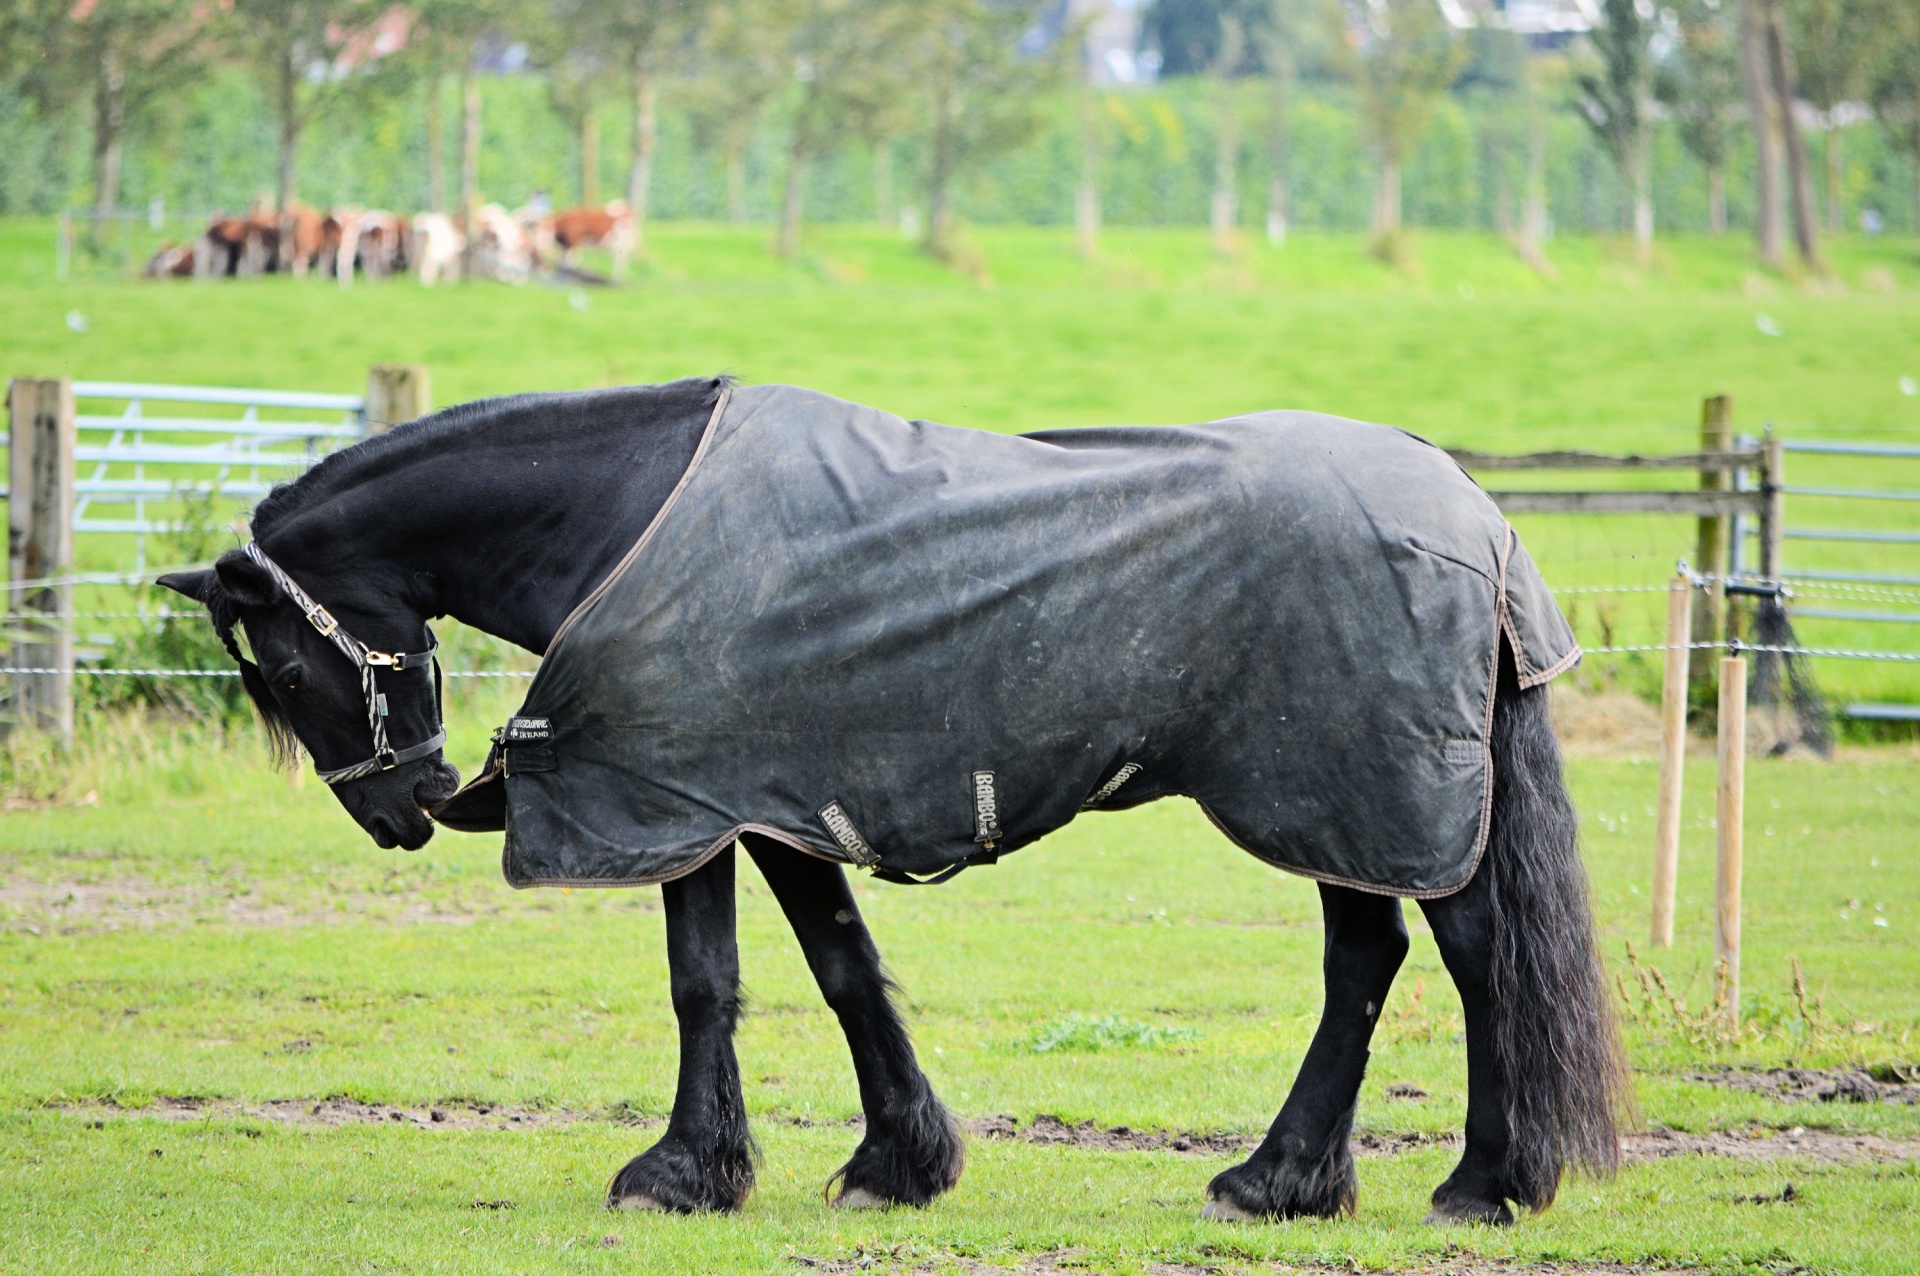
<point x="366" y="660"/>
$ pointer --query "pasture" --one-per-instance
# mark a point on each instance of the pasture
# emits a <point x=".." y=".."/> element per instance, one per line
<point x="227" y="1021"/>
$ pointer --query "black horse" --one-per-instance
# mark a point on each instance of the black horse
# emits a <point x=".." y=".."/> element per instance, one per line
<point x="507" y="514"/>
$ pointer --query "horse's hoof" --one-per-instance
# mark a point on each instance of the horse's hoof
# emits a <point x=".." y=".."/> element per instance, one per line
<point x="1221" y="1210"/>
<point x="859" y="1198"/>
<point x="638" y="1201"/>
<point x="1496" y="1215"/>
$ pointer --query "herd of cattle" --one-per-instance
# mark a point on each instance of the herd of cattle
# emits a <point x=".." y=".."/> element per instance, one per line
<point x="434" y="247"/>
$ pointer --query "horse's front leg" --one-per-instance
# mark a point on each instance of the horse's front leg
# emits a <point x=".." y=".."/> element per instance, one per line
<point x="912" y="1150"/>
<point x="1304" y="1166"/>
<point x="705" y="1159"/>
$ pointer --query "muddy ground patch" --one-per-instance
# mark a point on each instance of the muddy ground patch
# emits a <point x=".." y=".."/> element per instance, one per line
<point x="1755" y="1143"/>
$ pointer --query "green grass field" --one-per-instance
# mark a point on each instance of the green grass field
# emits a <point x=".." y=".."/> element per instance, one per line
<point x="177" y="922"/>
<point x="1471" y="349"/>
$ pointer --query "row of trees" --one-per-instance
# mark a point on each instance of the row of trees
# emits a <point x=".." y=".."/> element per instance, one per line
<point x="968" y="80"/>
<point x="1713" y="66"/>
<point x="1716" y="65"/>
<point x="953" y="70"/>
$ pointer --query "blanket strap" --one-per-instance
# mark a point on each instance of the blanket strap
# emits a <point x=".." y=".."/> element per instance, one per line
<point x="947" y="874"/>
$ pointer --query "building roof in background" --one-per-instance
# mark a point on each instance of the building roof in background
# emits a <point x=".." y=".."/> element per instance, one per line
<point x="1535" y="18"/>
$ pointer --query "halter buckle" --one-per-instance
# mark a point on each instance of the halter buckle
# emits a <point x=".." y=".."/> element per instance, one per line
<point x="386" y="759"/>
<point x="322" y="619"/>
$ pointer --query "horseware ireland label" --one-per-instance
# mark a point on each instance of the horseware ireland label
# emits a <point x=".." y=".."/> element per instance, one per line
<point x="528" y="730"/>
<point x="1112" y="786"/>
<point x="986" y="809"/>
<point x="835" y="818"/>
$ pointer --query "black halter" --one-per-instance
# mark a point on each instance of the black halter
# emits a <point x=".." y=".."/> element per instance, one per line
<point x="366" y="660"/>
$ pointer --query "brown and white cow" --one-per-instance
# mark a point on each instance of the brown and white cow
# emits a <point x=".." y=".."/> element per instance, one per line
<point x="303" y="240"/>
<point x="435" y="247"/>
<point x="502" y="249"/>
<point x="611" y="227"/>
<point x="237" y="245"/>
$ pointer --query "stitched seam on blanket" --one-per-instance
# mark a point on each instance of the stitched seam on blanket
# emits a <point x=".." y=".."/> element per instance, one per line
<point x="1481" y="572"/>
<point x="714" y="848"/>
<point x="1554" y="670"/>
<point x="673" y="498"/>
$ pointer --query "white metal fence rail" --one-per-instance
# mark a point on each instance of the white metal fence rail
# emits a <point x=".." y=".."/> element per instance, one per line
<point x="130" y="467"/>
<point x="248" y="459"/>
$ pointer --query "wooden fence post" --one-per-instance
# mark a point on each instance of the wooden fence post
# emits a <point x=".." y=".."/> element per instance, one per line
<point x="1773" y="514"/>
<point x="40" y="547"/>
<point x="1728" y="845"/>
<point x="1712" y="542"/>
<point x="397" y="393"/>
<point x="1673" y="759"/>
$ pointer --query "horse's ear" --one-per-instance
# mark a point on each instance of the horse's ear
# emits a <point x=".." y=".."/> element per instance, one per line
<point x="198" y="585"/>
<point x="246" y="581"/>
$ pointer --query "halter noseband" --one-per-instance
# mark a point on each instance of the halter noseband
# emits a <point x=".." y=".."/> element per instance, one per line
<point x="366" y="660"/>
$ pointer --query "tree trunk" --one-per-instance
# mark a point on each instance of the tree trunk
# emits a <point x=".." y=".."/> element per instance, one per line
<point x="436" y="146"/>
<point x="646" y="131"/>
<point x="1806" y="229"/>
<point x="1913" y="144"/>
<point x="1386" y="198"/>
<point x="1277" y="210"/>
<point x="469" y="158"/>
<point x="109" y="121"/>
<point x="1717" y="199"/>
<point x="1836" y="203"/>
<point x="736" y="184"/>
<point x="1761" y="115"/>
<point x="1643" y="195"/>
<point x="790" y="206"/>
<point x="1086" y="200"/>
<point x="287" y="102"/>
<point x="1278" y="146"/>
<point x="1226" y="168"/>
<point x="883" y="184"/>
<point x="589" y="158"/>
<point x="1533" y="215"/>
<point x="940" y="196"/>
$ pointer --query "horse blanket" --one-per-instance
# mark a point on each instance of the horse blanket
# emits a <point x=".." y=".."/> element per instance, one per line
<point x="909" y="647"/>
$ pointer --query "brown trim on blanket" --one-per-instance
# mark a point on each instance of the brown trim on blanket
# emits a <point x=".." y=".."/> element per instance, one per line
<point x="666" y="507"/>
<point x="694" y="865"/>
<point x="1522" y="662"/>
<point x="1560" y="666"/>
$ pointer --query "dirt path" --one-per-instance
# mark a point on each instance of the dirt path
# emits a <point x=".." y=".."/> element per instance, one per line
<point x="1823" y="1085"/>
<point x="1069" y="1262"/>
<point x="1757" y="1143"/>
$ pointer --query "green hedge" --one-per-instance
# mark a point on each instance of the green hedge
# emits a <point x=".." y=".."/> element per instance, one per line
<point x="214" y="148"/>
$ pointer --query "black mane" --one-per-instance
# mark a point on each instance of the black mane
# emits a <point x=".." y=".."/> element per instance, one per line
<point x="450" y="426"/>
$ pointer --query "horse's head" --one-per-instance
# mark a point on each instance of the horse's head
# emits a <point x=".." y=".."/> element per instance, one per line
<point x="360" y="693"/>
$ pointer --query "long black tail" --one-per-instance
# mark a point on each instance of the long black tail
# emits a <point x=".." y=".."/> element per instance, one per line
<point x="1560" y="1053"/>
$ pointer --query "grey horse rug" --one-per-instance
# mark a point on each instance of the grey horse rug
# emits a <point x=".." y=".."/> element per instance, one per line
<point x="911" y="647"/>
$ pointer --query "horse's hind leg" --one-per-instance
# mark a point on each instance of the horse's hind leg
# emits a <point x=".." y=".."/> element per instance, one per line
<point x="1546" y="1080"/>
<point x="1478" y="1189"/>
<point x="1304" y="1166"/>
<point x="911" y="1152"/>
<point x="704" y="1161"/>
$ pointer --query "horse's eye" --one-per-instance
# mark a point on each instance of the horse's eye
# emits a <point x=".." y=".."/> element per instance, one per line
<point x="293" y="679"/>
